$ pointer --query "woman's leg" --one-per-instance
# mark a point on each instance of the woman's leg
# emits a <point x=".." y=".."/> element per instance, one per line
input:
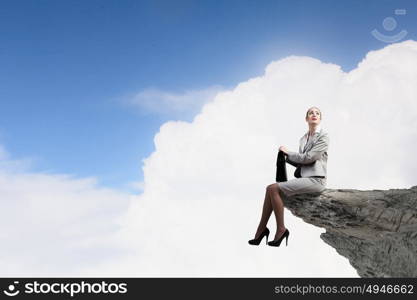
<point x="278" y="207"/>
<point x="266" y="213"/>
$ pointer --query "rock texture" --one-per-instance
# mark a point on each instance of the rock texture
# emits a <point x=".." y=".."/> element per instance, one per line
<point x="376" y="229"/>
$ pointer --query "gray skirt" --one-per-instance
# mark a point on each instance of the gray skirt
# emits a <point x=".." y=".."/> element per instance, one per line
<point x="302" y="185"/>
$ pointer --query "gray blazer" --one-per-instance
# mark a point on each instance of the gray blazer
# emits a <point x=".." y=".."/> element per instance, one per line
<point x="312" y="156"/>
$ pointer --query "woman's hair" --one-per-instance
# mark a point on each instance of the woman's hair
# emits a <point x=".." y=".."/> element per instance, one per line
<point x="315" y="108"/>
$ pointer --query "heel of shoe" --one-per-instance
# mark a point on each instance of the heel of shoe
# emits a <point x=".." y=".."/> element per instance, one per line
<point x="286" y="238"/>
<point x="276" y="243"/>
<point x="258" y="240"/>
<point x="267" y="239"/>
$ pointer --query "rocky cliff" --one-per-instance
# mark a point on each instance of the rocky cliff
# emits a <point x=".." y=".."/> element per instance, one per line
<point x="376" y="229"/>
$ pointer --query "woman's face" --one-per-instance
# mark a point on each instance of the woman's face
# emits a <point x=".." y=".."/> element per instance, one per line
<point x="313" y="116"/>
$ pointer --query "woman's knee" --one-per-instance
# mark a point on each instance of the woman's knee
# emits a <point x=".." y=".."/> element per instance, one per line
<point x="273" y="187"/>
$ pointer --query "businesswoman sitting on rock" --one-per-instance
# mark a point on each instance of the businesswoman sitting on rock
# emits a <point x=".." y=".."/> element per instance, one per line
<point x="311" y="168"/>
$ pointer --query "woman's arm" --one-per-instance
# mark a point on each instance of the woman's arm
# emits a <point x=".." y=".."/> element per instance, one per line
<point x="290" y="162"/>
<point x="319" y="147"/>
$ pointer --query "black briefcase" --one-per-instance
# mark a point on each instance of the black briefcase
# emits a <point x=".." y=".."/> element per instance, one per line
<point x="281" y="168"/>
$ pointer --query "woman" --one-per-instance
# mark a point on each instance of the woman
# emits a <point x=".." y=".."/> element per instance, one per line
<point x="311" y="163"/>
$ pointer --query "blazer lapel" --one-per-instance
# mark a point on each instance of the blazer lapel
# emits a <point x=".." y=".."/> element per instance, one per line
<point x="308" y="145"/>
<point x="303" y="143"/>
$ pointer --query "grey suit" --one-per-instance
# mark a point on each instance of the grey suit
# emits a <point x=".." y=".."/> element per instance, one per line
<point x="312" y="156"/>
<point x="312" y="161"/>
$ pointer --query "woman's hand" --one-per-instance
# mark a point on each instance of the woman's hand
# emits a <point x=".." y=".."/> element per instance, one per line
<point x="283" y="149"/>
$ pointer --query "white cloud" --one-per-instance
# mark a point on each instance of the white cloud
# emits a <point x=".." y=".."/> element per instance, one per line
<point x="204" y="185"/>
<point x="152" y="100"/>
<point x="54" y="224"/>
<point x="138" y="186"/>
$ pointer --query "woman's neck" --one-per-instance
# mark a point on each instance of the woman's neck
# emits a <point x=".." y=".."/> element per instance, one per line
<point x="312" y="129"/>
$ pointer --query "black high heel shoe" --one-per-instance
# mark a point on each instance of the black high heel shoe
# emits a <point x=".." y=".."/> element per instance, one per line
<point x="278" y="242"/>
<point x="261" y="236"/>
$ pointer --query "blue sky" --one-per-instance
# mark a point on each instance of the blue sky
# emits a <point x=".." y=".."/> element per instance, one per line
<point x="66" y="67"/>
